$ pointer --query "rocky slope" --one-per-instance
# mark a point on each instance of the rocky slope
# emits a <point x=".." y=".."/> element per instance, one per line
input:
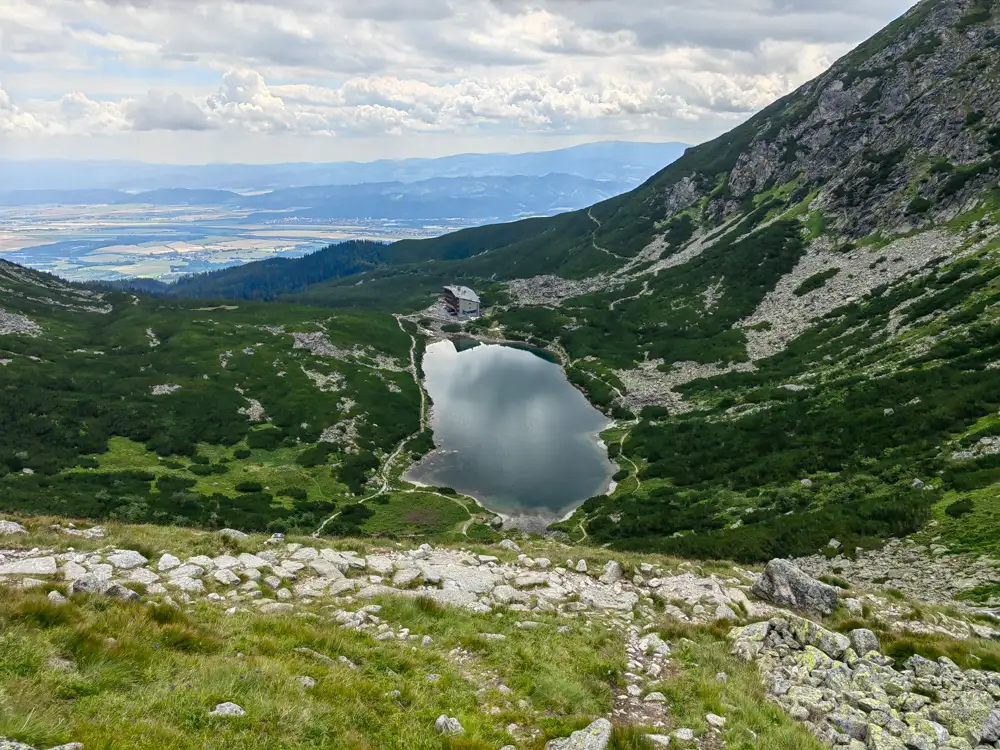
<point x="665" y="625"/>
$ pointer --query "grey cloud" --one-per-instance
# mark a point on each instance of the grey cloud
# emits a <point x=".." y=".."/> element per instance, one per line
<point x="167" y="112"/>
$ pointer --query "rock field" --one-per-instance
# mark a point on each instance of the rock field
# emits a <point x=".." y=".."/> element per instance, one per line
<point x="839" y="684"/>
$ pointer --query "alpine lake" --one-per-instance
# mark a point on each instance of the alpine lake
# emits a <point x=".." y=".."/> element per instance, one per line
<point x="512" y="432"/>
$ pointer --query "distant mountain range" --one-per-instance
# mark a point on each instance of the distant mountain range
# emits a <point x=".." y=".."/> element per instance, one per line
<point x="617" y="161"/>
<point x="498" y="198"/>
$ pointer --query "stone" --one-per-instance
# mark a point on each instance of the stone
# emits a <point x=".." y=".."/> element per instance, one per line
<point x="611" y="573"/>
<point x="864" y="641"/>
<point x="990" y="731"/>
<point x="56" y="598"/>
<point x="10" y="527"/>
<point x="188" y="584"/>
<point x="144" y="576"/>
<point x="223" y="562"/>
<point x="684" y="734"/>
<point x="605" y="597"/>
<point x="126" y="559"/>
<point x="509" y="544"/>
<point x="227" y="709"/>
<point x="966" y="714"/>
<point x="91" y="584"/>
<point x="716" y="721"/>
<point x="167" y="562"/>
<point x="504" y="594"/>
<point x="658" y="740"/>
<point x="307" y="682"/>
<point x="882" y="739"/>
<point x="233" y="534"/>
<point x="251" y="561"/>
<point x="325" y="568"/>
<point x="595" y="737"/>
<point x="785" y="585"/>
<point x="32" y="566"/>
<point x="73" y="570"/>
<point x="530" y="580"/>
<point x="405" y="577"/>
<point x="447" y="725"/>
<point x="581" y="567"/>
<point x="655" y="697"/>
<point x="277" y="608"/>
<point x="226" y="577"/>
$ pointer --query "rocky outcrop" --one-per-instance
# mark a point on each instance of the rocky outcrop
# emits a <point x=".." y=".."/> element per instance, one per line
<point x="865" y="700"/>
<point x="785" y="585"/>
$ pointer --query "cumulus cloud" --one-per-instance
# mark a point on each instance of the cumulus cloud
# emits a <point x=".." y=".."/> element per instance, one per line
<point x="383" y="67"/>
<point x="166" y="112"/>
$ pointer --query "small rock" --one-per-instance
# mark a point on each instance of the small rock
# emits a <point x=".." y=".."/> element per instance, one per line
<point x="447" y="725"/>
<point x="509" y="544"/>
<point x="581" y="566"/>
<point x="595" y="737"/>
<point x="227" y="709"/>
<point x="307" y="682"/>
<point x="56" y="598"/>
<point x="232" y="534"/>
<point x="167" y="562"/>
<point x="714" y="720"/>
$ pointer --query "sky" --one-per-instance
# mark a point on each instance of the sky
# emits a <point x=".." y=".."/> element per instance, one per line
<point x="195" y="81"/>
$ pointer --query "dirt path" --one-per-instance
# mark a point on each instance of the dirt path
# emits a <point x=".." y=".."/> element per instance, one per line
<point x="415" y="373"/>
<point x="593" y="239"/>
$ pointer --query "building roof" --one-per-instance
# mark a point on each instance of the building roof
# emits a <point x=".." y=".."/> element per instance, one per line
<point x="463" y="292"/>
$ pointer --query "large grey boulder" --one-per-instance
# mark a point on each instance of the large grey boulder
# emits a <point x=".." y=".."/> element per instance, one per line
<point x="784" y="584"/>
<point x="32" y="566"/>
<point x="10" y="527"/>
<point x="864" y="641"/>
<point x="991" y="727"/>
<point x="595" y="737"/>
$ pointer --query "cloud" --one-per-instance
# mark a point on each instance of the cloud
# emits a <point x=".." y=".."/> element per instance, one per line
<point x="166" y="112"/>
<point x="396" y="67"/>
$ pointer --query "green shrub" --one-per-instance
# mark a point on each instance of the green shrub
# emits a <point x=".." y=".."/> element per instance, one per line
<point x="919" y="205"/>
<point x="242" y="454"/>
<point x="959" y="508"/>
<point x="267" y="439"/>
<point x="249" y="486"/>
<point x="816" y="281"/>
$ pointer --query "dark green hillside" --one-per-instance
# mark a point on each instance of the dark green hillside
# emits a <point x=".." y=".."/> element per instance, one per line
<point x="181" y="412"/>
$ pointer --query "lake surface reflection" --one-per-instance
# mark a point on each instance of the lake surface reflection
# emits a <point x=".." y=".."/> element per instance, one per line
<point x="511" y="431"/>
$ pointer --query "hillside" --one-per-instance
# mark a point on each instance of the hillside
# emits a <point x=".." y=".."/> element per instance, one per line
<point x="149" y="637"/>
<point x="249" y="415"/>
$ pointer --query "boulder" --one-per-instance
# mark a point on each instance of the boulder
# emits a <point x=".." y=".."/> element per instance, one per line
<point x="32" y="566"/>
<point x="232" y="534"/>
<point x="612" y="573"/>
<point x="98" y="585"/>
<point x="785" y="585"/>
<point x="595" y="737"/>
<point x="509" y="544"/>
<point x="864" y="641"/>
<point x="167" y="562"/>
<point x="10" y="527"/>
<point x="126" y="559"/>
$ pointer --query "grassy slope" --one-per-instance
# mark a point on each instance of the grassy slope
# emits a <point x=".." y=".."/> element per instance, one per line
<point x="61" y="680"/>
